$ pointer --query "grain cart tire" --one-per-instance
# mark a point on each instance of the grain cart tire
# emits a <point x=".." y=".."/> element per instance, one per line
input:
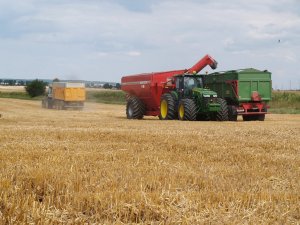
<point x="261" y="117"/>
<point x="232" y="113"/>
<point x="222" y="115"/>
<point x="246" y="118"/>
<point x="187" y="110"/>
<point x="250" y="117"/>
<point x="167" y="107"/>
<point x="135" y="108"/>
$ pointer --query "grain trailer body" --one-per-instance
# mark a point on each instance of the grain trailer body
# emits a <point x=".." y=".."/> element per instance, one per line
<point x="63" y="95"/>
<point x="246" y="91"/>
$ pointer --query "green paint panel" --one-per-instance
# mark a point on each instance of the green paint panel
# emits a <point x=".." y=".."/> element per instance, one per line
<point x="246" y="81"/>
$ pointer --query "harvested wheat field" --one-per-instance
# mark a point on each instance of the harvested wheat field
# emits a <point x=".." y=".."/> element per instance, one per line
<point x="95" y="166"/>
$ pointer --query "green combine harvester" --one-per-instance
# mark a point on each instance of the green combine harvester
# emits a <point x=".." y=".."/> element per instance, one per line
<point x="246" y="91"/>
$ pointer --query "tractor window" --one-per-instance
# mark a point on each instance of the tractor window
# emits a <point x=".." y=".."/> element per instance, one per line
<point x="179" y="83"/>
<point x="192" y="82"/>
<point x="200" y="82"/>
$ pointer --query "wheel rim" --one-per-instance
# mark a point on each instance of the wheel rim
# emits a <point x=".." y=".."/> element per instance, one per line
<point x="181" y="111"/>
<point x="163" y="108"/>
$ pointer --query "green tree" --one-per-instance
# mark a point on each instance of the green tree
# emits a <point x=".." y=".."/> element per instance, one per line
<point x="118" y="86"/>
<point x="107" y="86"/>
<point x="36" y="88"/>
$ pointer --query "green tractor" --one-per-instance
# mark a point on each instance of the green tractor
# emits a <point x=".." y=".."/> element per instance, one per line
<point x="187" y="99"/>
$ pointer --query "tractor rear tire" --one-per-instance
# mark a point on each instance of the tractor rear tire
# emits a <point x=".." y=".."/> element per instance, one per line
<point x="222" y="115"/>
<point x="167" y="107"/>
<point x="187" y="110"/>
<point x="135" y="108"/>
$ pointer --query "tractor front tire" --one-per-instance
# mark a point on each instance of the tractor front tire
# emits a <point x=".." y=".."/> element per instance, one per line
<point x="135" y="108"/>
<point x="222" y="115"/>
<point x="167" y="107"/>
<point x="187" y="110"/>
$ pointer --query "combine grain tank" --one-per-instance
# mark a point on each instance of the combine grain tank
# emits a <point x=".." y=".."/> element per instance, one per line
<point x="246" y="91"/>
<point x="63" y="95"/>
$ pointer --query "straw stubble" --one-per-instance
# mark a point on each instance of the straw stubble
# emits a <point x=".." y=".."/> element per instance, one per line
<point x="95" y="166"/>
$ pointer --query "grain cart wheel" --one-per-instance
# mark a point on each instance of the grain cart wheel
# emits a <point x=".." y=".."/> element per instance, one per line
<point x="261" y="117"/>
<point x="187" y="110"/>
<point x="232" y="113"/>
<point x="222" y="115"/>
<point x="135" y="108"/>
<point x="246" y="118"/>
<point x="167" y="107"/>
<point x="250" y="117"/>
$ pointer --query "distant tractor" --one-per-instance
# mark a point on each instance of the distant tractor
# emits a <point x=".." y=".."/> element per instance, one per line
<point x="177" y="94"/>
<point x="247" y="92"/>
<point x="64" y="95"/>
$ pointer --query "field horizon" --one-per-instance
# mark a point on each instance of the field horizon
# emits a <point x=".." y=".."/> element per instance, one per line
<point x="283" y="102"/>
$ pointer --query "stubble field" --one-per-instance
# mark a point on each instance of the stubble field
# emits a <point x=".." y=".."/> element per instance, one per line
<point x="95" y="166"/>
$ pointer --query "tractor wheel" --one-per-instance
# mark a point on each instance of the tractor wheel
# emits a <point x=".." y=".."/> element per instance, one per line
<point x="187" y="110"/>
<point x="222" y="115"/>
<point x="232" y="113"/>
<point x="167" y="107"/>
<point x="135" y="108"/>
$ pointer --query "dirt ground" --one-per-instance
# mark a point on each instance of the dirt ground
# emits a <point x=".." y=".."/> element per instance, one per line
<point x="95" y="166"/>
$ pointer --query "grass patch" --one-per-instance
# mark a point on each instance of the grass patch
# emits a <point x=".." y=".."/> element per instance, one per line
<point x="109" y="97"/>
<point x="18" y="95"/>
<point x="285" y="102"/>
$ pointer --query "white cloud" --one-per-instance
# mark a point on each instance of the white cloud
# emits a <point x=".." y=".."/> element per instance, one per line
<point x="133" y="53"/>
<point x="90" y="37"/>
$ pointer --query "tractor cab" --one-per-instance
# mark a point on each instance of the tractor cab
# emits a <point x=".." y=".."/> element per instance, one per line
<point x="186" y="83"/>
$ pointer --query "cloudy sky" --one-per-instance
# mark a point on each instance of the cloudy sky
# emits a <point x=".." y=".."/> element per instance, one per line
<point x="106" y="39"/>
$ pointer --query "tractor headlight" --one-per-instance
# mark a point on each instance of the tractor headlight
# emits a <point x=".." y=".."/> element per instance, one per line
<point x="215" y="96"/>
<point x="206" y="96"/>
